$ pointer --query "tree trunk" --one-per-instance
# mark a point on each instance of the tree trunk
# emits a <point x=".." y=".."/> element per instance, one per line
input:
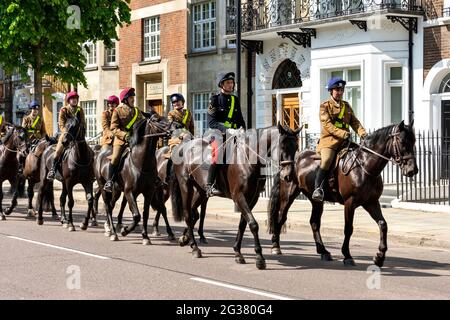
<point x="38" y="76"/>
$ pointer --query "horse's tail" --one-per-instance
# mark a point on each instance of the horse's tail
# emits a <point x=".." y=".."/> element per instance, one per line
<point x="176" y="198"/>
<point x="274" y="205"/>
<point x="48" y="197"/>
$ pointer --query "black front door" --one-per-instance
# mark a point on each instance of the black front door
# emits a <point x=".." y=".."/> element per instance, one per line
<point x="446" y="138"/>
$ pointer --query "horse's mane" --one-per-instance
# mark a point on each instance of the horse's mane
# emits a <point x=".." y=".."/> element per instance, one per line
<point x="139" y="129"/>
<point x="383" y="133"/>
<point x="8" y="135"/>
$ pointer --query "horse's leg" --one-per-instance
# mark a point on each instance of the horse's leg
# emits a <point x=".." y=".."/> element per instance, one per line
<point x="51" y="197"/>
<point x="62" y="204"/>
<point x="156" y="205"/>
<point x="155" y="224"/>
<point x="134" y="210"/>
<point x="238" y="257"/>
<point x="70" y="204"/>
<point x="190" y="221"/>
<point x="315" y="222"/>
<point x="202" y="221"/>
<point x="123" y="204"/>
<point x="1" y="202"/>
<point x="97" y="195"/>
<point x="253" y="224"/>
<point x="348" y="231"/>
<point x="145" y="213"/>
<point x="39" y="202"/>
<point x="14" y="184"/>
<point x="110" y="230"/>
<point x="374" y="210"/>
<point x="285" y="204"/>
<point x="30" y="193"/>
<point x="90" y="200"/>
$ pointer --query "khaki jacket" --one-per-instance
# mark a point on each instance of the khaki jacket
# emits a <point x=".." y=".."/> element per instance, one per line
<point x="107" y="136"/>
<point x="39" y="129"/>
<point x="121" y="117"/>
<point x="67" y="112"/>
<point x="332" y="136"/>
<point x="178" y="116"/>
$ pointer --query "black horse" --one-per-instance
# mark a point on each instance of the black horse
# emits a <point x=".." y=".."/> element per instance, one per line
<point x="137" y="176"/>
<point x="359" y="183"/>
<point x="77" y="167"/>
<point x="240" y="180"/>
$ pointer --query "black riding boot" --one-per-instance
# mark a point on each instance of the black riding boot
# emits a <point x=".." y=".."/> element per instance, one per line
<point x="318" y="193"/>
<point x="112" y="169"/>
<point x="210" y="189"/>
<point x="52" y="172"/>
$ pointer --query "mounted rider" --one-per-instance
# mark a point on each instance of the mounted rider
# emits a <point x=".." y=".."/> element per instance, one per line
<point x="33" y="122"/>
<point x="224" y="112"/>
<point x="336" y="117"/>
<point x="183" y="116"/>
<point x="122" y="121"/>
<point x="71" y="110"/>
<point x="107" y="136"/>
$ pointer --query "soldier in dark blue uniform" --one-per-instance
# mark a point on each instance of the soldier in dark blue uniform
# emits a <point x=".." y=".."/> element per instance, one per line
<point x="224" y="112"/>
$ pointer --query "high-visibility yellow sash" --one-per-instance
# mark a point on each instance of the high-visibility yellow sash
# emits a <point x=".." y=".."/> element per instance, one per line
<point x="228" y="123"/>
<point x="132" y="121"/>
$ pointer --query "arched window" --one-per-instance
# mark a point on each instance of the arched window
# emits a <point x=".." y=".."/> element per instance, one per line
<point x="445" y="85"/>
<point x="287" y="76"/>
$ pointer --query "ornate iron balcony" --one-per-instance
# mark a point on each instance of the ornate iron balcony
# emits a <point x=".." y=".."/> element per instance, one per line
<point x="264" y="14"/>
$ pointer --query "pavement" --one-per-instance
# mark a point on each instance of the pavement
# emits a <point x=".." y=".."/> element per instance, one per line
<point x="412" y="227"/>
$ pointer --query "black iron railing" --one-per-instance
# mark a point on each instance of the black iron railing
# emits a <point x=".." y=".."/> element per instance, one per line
<point x="263" y="14"/>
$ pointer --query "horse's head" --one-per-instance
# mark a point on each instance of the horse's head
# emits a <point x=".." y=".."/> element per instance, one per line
<point x="402" y="148"/>
<point x="20" y="141"/>
<point x="287" y="146"/>
<point x="72" y="132"/>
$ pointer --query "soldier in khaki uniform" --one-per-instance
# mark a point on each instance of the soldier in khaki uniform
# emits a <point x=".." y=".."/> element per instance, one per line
<point x="108" y="136"/>
<point x="183" y="116"/>
<point x="69" y="111"/>
<point x="33" y="123"/>
<point x="122" y="121"/>
<point x="2" y="127"/>
<point x="336" y="117"/>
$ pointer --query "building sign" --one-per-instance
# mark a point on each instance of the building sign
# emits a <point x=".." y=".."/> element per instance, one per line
<point x="154" y="90"/>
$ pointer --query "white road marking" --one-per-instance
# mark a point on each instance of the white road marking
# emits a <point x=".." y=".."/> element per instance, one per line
<point x="217" y="239"/>
<point x="60" y="248"/>
<point x="234" y="287"/>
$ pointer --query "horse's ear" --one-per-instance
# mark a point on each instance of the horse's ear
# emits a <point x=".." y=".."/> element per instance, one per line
<point x="401" y="125"/>
<point x="280" y="128"/>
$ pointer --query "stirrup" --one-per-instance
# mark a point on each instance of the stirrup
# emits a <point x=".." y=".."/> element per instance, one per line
<point x="318" y="195"/>
<point x="108" y="186"/>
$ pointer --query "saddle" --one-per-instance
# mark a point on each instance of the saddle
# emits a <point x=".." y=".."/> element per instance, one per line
<point x="341" y="154"/>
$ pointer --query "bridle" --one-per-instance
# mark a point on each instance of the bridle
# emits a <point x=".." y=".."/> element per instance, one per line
<point x="15" y="144"/>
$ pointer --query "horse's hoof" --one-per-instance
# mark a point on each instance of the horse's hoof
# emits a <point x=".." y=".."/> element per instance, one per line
<point x="170" y="237"/>
<point x="71" y="228"/>
<point x="277" y="251"/>
<point x="8" y="211"/>
<point x="55" y="217"/>
<point x="239" y="259"/>
<point x="31" y="213"/>
<point x="114" y="237"/>
<point x="349" y="262"/>
<point x="326" y="257"/>
<point x="124" y="232"/>
<point x="93" y="223"/>
<point x="3" y="218"/>
<point x="106" y="226"/>
<point x="119" y="226"/>
<point x="203" y="240"/>
<point x="40" y="222"/>
<point x="197" y="253"/>
<point x="183" y="240"/>
<point x="83" y="226"/>
<point x="156" y="233"/>
<point x="146" y="242"/>
<point x="260" y="263"/>
<point x="378" y="261"/>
